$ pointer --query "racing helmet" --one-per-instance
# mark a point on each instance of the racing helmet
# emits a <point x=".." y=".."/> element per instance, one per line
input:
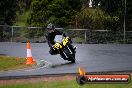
<point x="50" y="26"/>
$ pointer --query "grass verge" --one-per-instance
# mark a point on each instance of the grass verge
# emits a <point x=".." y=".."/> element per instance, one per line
<point x="12" y="63"/>
<point x="63" y="84"/>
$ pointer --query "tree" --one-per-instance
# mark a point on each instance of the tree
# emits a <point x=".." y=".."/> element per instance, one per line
<point x="60" y="12"/>
<point x="24" y="5"/>
<point x="129" y="15"/>
<point x="8" y="11"/>
<point x="116" y="8"/>
<point x="7" y="15"/>
<point x="39" y="13"/>
<point x="90" y="18"/>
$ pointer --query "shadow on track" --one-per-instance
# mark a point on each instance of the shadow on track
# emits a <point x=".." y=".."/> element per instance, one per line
<point x="62" y="64"/>
<point x="3" y="55"/>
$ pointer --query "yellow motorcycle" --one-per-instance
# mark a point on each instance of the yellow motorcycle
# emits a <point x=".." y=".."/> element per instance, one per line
<point x="64" y="47"/>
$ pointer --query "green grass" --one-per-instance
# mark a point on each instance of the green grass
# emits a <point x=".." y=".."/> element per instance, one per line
<point x="12" y="63"/>
<point x="63" y="84"/>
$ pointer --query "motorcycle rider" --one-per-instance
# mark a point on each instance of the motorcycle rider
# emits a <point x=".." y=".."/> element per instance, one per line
<point x="52" y="32"/>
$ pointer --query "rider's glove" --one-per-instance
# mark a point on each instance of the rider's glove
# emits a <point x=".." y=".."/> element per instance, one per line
<point x="57" y="46"/>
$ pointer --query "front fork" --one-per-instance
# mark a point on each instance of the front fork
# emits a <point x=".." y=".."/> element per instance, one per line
<point x="65" y="54"/>
<point x="69" y="51"/>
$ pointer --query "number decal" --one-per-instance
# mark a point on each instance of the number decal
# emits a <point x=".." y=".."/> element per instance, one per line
<point x="65" y="41"/>
<point x="57" y="46"/>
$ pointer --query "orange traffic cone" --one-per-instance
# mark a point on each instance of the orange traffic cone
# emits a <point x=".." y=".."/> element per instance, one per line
<point x="29" y="55"/>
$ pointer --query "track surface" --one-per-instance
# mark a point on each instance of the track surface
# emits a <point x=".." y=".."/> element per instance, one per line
<point x="92" y="57"/>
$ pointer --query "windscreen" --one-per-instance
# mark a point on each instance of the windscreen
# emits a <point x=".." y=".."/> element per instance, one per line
<point x="58" y="38"/>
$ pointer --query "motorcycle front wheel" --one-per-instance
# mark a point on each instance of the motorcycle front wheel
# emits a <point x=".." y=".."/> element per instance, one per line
<point x="65" y="54"/>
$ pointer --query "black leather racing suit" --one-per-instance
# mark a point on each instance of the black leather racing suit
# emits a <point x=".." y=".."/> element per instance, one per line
<point x="50" y="37"/>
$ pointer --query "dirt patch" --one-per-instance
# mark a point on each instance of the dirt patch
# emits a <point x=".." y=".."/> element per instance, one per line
<point x="33" y="80"/>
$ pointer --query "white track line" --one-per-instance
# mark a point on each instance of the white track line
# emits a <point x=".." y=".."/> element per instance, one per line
<point x="46" y="64"/>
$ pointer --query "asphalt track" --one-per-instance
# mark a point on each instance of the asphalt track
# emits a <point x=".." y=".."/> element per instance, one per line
<point x="92" y="57"/>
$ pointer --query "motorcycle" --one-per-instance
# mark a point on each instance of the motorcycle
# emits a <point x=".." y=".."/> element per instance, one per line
<point x="64" y="47"/>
